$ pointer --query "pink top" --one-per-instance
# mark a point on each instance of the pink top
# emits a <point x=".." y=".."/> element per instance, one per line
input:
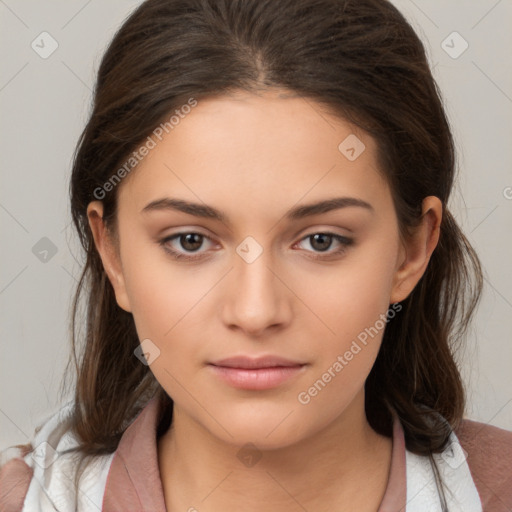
<point x="482" y="480"/>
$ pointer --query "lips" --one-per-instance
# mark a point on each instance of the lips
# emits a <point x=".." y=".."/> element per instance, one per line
<point x="247" y="363"/>
<point x="259" y="373"/>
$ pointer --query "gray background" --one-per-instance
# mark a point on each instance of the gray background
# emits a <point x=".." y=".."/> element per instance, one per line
<point x="44" y="104"/>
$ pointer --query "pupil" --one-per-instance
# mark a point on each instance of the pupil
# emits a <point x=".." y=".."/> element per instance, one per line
<point x="190" y="244"/>
<point x="322" y="238"/>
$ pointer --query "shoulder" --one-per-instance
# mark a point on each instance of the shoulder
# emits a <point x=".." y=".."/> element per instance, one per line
<point x="15" y="477"/>
<point x="488" y="452"/>
<point x="41" y="473"/>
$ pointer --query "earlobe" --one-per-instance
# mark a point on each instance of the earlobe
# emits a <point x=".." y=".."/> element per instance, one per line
<point x="416" y="253"/>
<point x="108" y="252"/>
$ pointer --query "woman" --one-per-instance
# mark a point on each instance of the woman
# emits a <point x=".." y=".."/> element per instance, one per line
<point x="274" y="283"/>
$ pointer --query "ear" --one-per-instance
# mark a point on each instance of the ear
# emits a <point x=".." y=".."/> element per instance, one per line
<point x="109" y="253"/>
<point x="416" y="251"/>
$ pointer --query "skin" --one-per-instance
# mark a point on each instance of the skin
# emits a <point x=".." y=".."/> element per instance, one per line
<point x="263" y="154"/>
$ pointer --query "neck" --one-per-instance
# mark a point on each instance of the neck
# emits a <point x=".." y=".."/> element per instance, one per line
<point x="345" y="466"/>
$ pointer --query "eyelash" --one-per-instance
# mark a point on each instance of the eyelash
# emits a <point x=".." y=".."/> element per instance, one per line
<point x="344" y="241"/>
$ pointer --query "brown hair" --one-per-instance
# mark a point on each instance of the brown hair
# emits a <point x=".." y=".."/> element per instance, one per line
<point x="361" y="60"/>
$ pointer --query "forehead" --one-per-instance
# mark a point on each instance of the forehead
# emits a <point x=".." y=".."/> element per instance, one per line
<point x="252" y="152"/>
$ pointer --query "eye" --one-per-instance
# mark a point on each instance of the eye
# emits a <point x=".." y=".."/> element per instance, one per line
<point x="189" y="241"/>
<point x="322" y="241"/>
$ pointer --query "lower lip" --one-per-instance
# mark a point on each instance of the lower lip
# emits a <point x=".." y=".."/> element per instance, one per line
<point x="256" y="378"/>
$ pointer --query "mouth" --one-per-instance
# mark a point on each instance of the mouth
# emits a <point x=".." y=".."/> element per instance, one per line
<point x="261" y="373"/>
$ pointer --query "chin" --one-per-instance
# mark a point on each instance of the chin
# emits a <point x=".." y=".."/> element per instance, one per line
<point x="267" y="431"/>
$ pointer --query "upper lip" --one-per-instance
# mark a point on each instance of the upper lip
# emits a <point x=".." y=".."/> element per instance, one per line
<point x="246" y="362"/>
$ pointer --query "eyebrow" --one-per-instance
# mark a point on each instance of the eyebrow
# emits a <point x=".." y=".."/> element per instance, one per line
<point x="297" y="213"/>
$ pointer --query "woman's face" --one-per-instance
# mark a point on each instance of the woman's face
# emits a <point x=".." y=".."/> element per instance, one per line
<point x="258" y="283"/>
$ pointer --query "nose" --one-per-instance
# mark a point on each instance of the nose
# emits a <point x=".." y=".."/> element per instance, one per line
<point x="256" y="298"/>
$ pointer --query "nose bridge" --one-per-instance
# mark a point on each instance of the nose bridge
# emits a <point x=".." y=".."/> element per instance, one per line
<point x="256" y="297"/>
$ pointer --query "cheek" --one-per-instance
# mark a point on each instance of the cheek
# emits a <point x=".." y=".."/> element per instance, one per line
<point x="351" y="301"/>
<point x="162" y="293"/>
<point x="354" y="309"/>
<point x="350" y="297"/>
